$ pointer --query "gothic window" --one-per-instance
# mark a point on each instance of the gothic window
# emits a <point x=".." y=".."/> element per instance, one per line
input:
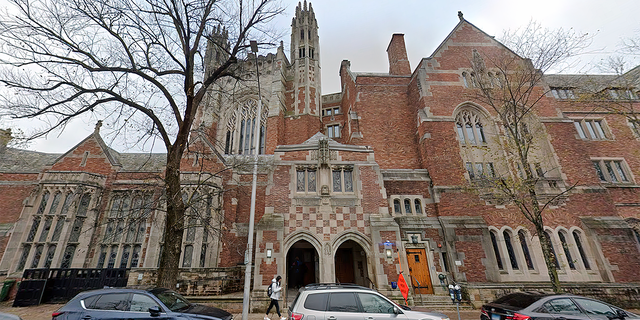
<point x="23" y="257"/>
<point x="188" y="252"/>
<point x="54" y="204"/>
<point x="396" y="206"/>
<point x="306" y="180"/>
<point x="510" y="251"/>
<point x="203" y="255"/>
<point x="43" y="202"/>
<point x="125" y="228"/>
<point x="124" y="259"/>
<point x="68" y="200"/>
<point x="49" y="258"/>
<point x="112" y="257"/>
<point x="102" y="257"/>
<point x="45" y="229"/>
<point x="342" y="180"/>
<point x="135" y="256"/>
<point x="553" y="250"/>
<point x="470" y="128"/>
<point x="567" y="252"/>
<point x="496" y="249"/>
<point x="480" y="170"/>
<point x="67" y="257"/>
<point x="76" y="229"/>
<point x="525" y="249"/>
<point x="241" y="128"/>
<point x="583" y="256"/>
<point x="36" y="256"/>
<point x="407" y="206"/>
<point x="34" y="229"/>
<point x="301" y="34"/>
<point x="418" y="206"/>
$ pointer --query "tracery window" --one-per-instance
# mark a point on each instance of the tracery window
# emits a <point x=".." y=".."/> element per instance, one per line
<point x="470" y="128"/>
<point x="510" y="252"/>
<point x="240" y="134"/>
<point x="306" y="179"/>
<point x="567" y="252"/>
<point x="553" y="250"/>
<point x="525" y="249"/>
<point x="496" y="249"/>
<point x="583" y="256"/>
<point x="125" y="229"/>
<point x="342" y="179"/>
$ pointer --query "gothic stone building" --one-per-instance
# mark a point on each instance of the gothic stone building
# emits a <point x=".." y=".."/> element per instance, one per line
<point x="359" y="185"/>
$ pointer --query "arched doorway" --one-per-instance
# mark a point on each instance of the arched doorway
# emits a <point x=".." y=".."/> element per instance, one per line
<point x="351" y="264"/>
<point x="302" y="264"/>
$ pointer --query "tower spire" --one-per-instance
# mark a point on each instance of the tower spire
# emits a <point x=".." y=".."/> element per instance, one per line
<point x="305" y="57"/>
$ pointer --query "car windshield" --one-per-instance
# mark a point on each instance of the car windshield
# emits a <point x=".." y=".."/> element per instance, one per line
<point x="519" y="300"/>
<point x="171" y="299"/>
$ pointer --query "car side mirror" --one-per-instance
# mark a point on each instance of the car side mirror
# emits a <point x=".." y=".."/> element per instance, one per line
<point x="154" y="311"/>
<point x="397" y="310"/>
<point x="621" y="314"/>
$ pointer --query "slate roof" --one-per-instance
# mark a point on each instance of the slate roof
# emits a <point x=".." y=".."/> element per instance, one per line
<point x="25" y="161"/>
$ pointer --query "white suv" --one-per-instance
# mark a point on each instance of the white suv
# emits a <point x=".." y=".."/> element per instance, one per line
<point x="350" y="302"/>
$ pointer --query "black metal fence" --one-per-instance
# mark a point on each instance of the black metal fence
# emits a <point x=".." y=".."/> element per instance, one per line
<point x="60" y="285"/>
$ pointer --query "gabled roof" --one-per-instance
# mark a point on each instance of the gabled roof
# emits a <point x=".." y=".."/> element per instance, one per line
<point x="458" y="27"/>
<point x="95" y="135"/>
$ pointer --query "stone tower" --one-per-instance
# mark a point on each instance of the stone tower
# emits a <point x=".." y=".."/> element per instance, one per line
<point x="305" y="60"/>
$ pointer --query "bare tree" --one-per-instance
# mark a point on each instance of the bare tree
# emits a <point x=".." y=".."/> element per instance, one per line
<point x="139" y="64"/>
<point x="510" y="84"/>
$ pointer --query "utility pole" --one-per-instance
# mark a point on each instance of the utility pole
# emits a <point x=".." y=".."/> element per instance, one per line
<point x="248" y="255"/>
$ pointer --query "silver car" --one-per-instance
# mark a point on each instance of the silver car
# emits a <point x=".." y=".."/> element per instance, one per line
<point x="350" y="302"/>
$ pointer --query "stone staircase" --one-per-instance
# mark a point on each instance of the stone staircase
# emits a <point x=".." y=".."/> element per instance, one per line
<point x="430" y="302"/>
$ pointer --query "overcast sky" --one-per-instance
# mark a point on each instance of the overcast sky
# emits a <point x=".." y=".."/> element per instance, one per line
<point x="360" y="30"/>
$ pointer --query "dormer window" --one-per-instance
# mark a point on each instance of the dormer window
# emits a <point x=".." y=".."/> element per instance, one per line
<point x="563" y="93"/>
<point x="622" y="94"/>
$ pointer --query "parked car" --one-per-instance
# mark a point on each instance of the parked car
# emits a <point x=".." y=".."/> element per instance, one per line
<point x="9" y="316"/>
<point x="542" y="306"/>
<point x="349" y="301"/>
<point x="121" y="303"/>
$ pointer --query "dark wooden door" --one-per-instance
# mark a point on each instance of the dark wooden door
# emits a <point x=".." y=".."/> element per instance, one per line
<point x="344" y="266"/>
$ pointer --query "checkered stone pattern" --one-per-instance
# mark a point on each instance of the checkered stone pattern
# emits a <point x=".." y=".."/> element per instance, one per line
<point x="327" y="224"/>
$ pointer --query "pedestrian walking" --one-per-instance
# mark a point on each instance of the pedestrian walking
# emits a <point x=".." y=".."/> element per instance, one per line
<point x="276" y="290"/>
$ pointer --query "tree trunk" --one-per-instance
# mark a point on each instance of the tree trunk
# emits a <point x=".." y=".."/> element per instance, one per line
<point x="549" y="259"/>
<point x="168" y="268"/>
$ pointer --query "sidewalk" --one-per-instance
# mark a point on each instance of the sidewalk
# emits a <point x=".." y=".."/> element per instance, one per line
<point x="44" y="311"/>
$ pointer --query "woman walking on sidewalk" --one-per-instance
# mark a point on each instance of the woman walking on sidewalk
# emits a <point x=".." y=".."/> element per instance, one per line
<point x="276" y="290"/>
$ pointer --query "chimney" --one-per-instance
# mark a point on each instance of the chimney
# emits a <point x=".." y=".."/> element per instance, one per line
<point x="5" y="137"/>
<point x="397" y="52"/>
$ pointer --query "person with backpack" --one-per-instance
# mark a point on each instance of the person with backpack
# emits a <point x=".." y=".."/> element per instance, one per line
<point x="274" y="292"/>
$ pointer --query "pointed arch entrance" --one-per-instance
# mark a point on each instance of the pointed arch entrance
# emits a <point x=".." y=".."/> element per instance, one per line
<point x="350" y="261"/>
<point x="302" y="264"/>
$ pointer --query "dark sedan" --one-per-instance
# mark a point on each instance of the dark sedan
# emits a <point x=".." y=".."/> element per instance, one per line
<point x="120" y="303"/>
<point x="541" y="306"/>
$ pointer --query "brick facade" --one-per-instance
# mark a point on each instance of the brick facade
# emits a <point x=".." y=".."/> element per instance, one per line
<point x="392" y="177"/>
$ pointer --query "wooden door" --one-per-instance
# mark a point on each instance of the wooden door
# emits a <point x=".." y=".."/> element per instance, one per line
<point x="419" y="270"/>
<point x="344" y="266"/>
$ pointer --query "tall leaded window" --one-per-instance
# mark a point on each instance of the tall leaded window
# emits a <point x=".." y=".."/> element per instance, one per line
<point x="125" y="228"/>
<point x="553" y="250"/>
<point x="510" y="251"/>
<point x="583" y="256"/>
<point x="396" y="206"/>
<point x="342" y="179"/>
<point x="418" y="206"/>
<point x="36" y="256"/>
<point x="407" y="205"/>
<point x="43" y="202"/>
<point x="525" y="249"/>
<point x="188" y="253"/>
<point x="496" y="249"/>
<point x="306" y="179"/>
<point x="67" y="256"/>
<point x="470" y="129"/>
<point x="49" y="258"/>
<point x="34" y="229"/>
<point x="241" y="133"/>
<point x="567" y="252"/>
<point x="23" y="257"/>
<point x="102" y="257"/>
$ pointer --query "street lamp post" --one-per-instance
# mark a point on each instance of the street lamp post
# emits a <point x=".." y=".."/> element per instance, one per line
<point x="248" y="255"/>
